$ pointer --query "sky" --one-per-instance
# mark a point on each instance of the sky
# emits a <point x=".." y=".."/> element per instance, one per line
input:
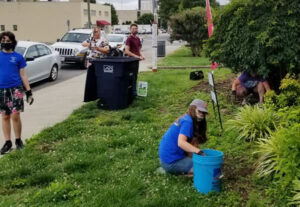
<point x="133" y="4"/>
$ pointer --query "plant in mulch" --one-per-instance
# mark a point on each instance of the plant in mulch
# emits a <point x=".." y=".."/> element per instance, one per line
<point x="280" y="154"/>
<point x="253" y="122"/>
<point x="296" y="199"/>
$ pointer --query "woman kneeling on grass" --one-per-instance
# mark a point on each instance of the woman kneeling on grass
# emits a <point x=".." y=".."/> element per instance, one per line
<point x="182" y="139"/>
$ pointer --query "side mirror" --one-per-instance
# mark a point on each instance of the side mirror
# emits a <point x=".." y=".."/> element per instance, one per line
<point x="57" y="40"/>
<point x="29" y="59"/>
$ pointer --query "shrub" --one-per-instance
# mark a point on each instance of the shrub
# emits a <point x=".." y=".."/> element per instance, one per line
<point x="296" y="198"/>
<point x="258" y="36"/>
<point x="280" y="154"/>
<point x="253" y="122"/>
<point x="289" y="93"/>
<point x="190" y="25"/>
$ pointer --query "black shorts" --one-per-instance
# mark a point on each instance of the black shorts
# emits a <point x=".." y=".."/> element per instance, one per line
<point x="11" y="100"/>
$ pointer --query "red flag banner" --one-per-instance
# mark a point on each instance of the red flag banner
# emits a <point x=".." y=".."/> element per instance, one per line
<point x="210" y="26"/>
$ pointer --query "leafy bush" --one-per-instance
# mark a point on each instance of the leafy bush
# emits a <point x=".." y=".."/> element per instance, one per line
<point x="289" y="93"/>
<point x="289" y="116"/>
<point x="280" y="154"/>
<point x="296" y="198"/>
<point x="190" y="25"/>
<point x="253" y="122"/>
<point x="258" y="36"/>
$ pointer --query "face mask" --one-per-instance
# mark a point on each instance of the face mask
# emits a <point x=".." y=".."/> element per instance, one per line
<point x="6" y="46"/>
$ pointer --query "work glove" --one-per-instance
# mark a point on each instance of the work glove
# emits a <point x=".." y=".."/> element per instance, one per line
<point x="29" y="97"/>
<point x="200" y="153"/>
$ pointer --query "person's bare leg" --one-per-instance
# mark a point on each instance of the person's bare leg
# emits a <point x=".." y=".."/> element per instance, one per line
<point x="260" y="89"/>
<point x="17" y="124"/>
<point x="241" y="91"/>
<point x="190" y="174"/>
<point x="6" y="127"/>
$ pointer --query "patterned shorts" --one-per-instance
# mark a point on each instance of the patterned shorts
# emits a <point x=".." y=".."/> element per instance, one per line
<point x="11" y="100"/>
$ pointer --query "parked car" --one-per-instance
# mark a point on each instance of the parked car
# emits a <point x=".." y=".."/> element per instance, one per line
<point x="43" y="62"/>
<point x="70" y="48"/>
<point x="117" y="41"/>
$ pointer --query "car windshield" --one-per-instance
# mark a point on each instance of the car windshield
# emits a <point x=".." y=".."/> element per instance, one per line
<point x="75" y="37"/>
<point x="20" y="50"/>
<point x="114" y="38"/>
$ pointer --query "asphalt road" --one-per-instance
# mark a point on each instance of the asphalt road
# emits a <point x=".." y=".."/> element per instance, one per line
<point x="69" y="71"/>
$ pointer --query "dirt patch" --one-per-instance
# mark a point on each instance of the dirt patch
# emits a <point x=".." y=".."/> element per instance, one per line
<point x="222" y="86"/>
<point x="237" y="175"/>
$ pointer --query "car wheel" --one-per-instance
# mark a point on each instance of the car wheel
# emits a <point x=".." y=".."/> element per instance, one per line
<point x="54" y="73"/>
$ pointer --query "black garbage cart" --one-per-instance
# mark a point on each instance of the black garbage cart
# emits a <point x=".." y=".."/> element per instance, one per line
<point x="115" y="81"/>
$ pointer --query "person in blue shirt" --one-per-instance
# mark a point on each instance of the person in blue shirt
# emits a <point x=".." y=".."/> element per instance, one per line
<point x="12" y="80"/>
<point x="182" y="139"/>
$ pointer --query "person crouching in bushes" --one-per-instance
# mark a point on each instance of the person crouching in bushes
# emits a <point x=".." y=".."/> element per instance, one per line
<point x="182" y="139"/>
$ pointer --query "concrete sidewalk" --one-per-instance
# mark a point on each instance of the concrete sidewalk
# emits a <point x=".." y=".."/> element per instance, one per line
<point x="55" y="103"/>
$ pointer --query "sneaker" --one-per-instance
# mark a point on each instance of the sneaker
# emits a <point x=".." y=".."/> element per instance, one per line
<point x="6" y="147"/>
<point x="19" y="143"/>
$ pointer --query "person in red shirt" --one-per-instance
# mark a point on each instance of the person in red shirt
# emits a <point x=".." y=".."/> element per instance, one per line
<point x="133" y="49"/>
<point x="133" y="43"/>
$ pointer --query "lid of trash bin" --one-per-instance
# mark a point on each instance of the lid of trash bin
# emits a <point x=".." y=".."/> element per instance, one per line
<point x="116" y="59"/>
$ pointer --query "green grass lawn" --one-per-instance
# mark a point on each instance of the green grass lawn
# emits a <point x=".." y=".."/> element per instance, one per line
<point x="110" y="158"/>
<point x="183" y="57"/>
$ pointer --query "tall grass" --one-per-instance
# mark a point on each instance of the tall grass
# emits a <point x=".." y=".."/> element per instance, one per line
<point x="280" y="154"/>
<point x="253" y="122"/>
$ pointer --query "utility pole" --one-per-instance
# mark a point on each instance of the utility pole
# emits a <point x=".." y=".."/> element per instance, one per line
<point x="154" y="37"/>
<point x="139" y="9"/>
<point x="89" y="14"/>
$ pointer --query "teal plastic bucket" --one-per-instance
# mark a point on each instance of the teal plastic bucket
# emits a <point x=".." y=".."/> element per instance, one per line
<point x="207" y="171"/>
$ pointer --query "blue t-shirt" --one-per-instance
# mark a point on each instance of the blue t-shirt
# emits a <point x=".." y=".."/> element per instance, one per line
<point x="249" y="81"/>
<point x="10" y="65"/>
<point x="169" y="151"/>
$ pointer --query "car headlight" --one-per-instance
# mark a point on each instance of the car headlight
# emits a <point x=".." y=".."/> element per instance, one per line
<point x="75" y="51"/>
<point x="119" y="45"/>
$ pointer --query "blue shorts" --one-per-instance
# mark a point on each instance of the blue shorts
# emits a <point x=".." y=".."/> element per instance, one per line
<point x="182" y="166"/>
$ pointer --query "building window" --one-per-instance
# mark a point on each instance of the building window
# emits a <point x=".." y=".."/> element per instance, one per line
<point x="15" y="27"/>
<point x="2" y="27"/>
<point x="100" y="13"/>
<point x="85" y="12"/>
<point x="106" y="13"/>
<point x="93" y="12"/>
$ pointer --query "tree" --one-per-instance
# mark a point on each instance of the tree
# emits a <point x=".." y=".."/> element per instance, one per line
<point x="114" y="16"/>
<point x="190" y="25"/>
<point x="146" y="18"/>
<point x="260" y="36"/>
<point x="168" y="8"/>
<point x="188" y="4"/>
<point x="126" y="22"/>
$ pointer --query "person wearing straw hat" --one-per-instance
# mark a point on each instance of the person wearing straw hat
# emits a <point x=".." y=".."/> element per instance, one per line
<point x="183" y="138"/>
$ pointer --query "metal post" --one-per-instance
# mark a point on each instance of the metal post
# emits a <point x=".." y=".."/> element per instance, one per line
<point x="139" y="9"/>
<point x="89" y="14"/>
<point x="154" y="37"/>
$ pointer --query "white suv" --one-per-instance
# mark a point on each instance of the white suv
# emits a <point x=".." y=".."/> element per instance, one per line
<point x="70" y="48"/>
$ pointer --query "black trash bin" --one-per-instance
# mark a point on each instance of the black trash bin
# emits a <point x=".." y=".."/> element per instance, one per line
<point x="161" y="48"/>
<point x="115" y="81"/>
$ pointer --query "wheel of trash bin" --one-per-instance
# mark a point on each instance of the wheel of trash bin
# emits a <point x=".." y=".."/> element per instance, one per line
<point x="53" y="73"/>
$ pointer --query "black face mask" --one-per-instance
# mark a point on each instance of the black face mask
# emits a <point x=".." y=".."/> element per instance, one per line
<point x="7" y="46"/>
